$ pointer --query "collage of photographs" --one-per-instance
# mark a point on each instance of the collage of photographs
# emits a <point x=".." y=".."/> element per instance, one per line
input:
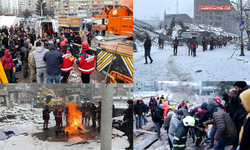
<point x="124" y="74"/>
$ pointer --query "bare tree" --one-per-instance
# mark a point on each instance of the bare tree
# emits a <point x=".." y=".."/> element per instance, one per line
<point x="236" y="15"/>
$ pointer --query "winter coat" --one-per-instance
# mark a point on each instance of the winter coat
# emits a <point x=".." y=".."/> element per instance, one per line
<point x="78" y="40"/>
<point x="160" y="40"/>
<point x="194" y="44"/>
<point x="82" y="37"/>
<point x="144" y="107"/>
<point x="99" y="108"/>
<point x="5" y="31"/>
<point x="158" y="115"/>
<point x="241" y="113"/>
<point x="89" y="36"/>
<point x="14" y="54"/>
<point x="5" y="42"/>
<point x="176" y="42"/>
<point x="227" y="102"/>
<point x="7" y="61"/>
<point x="38" y="55"/>
<point x="93" y="110"/>
<point x="24" y="52"/>
<point x="197" y="118"/>
<point x="53" y="60"/>
<point x="147" y="44"/>
<point x="173" y="124"/>
<point x="180" y="137"/>
<point x="244" y="135"/>
<point x="31" y="60"/>
<point x="138" y="110"/>
<point x="11" y="29"/>
<point x="233" y="107"/>
<point x="46" y="114"/>
<point x="83" y="110"/>
<point x="223" y="122"/>
<point x="152" y="105"/>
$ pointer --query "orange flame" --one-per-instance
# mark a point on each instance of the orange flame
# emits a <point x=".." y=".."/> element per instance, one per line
<point x="73" y="125"/>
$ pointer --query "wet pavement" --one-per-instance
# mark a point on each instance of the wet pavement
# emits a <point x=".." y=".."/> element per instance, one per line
<point x="50" y="135"/>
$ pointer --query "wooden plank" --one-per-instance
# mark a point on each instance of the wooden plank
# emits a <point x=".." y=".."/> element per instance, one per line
<point x="140" y="145"/>
<point x="145" y="131"/>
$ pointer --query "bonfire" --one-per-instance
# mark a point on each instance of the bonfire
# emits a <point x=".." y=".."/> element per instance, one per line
<point x="73" y="125"/>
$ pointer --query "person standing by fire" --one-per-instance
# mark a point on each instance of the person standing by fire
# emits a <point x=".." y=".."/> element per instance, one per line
<point x="84" y="117"/>
<point x="93" y="114"/>
<point x="99" y="109"/>
<point x="128" y="119"/>
<point x="46" y="117"/>
<point x="67" y="114"/>
<point x="59" y="112"/>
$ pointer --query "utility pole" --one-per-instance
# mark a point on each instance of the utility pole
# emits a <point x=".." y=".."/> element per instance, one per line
<point x="241" y="31"/>
<point x="106" y="117"/>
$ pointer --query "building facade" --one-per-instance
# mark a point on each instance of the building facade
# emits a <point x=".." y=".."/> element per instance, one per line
<point x="80" y="8"/>
<point x="9" y="7"/>
<point x="145" y="86"/>
<point x="31" y="5"/>
<point x="22" y="5"/>
<point x="213" y="18"/>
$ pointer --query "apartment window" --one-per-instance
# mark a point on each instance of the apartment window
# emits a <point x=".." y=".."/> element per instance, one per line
<point x="210" y="17"/>
<point x="218" y="24"/>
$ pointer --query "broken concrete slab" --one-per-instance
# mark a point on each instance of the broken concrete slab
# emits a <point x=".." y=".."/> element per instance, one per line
<point x="75" y="140"/>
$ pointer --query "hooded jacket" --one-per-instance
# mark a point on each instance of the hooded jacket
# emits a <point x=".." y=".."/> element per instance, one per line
<point x="53" y="60"/>
<point x="158" y="115"/>
<point x="147" y="44"/>
<point x="24" y="52"/>
<point x="223" y="122"/>
<point x="138" y="110"/>
<point x="245" y="129"/>
<point x="173" y="124"/>
<point x="38" y="55"/>
<point x="7" y="60"/>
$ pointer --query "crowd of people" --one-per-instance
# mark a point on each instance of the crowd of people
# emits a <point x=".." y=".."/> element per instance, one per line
<point x="49" y="55"/>
<point x="229" y="123"/>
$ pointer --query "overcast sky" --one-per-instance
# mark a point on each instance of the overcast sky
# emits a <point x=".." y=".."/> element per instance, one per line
<point x="143" y="9"/>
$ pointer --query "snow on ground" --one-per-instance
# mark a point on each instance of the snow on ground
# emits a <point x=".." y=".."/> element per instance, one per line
<point x="206" y="66"/>
<point x="31" y="122"/>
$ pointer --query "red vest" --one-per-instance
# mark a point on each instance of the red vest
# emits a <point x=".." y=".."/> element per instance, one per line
<point x="59" y="112"/>
<point x="87" y="62"/>
<point x="66" y="66"/>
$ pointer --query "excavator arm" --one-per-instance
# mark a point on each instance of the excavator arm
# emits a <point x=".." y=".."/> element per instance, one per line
<point x="172" y="25"/>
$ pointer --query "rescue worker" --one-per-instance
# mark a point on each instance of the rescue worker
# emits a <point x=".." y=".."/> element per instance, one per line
<point x="175" y="43"/>
<point x="128" y="120"/>
<point x="180" y="136"/>
<point x="167" y="120"/>
<point x="189" y="47"/>
<point x="225" y="42"/>
<point x="194" y="45"/>
<point x="44" y="40"/>
<point x="245" y="129"/>
<point x="182" y="104"/>
<point x="46" y="117"/>
<point x="86" y="62"/>
<point x="144" y="112"/>
<point x="99" y="109"/>
<point x="59" y="112"/>
<point x="159" y="119"/>
<point x="152" y="105"/>
<point x="218" y="101"/>
<point x="66" y="66"/>
<point x="199" y="129"/>
<point x="138" y="113"/>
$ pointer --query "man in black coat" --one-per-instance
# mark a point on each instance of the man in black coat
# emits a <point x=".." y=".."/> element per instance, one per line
<point x="84" y="110"/>
<point x="5" y="41"/>
<point x="226" y="98"/>
<point x="99" y="109"/>
<point x="128" y="120"/>
<point x="233" y="104"/>
<point x="159" y="119"/>
<point x="211" y="43"/>
<point x="138" y="110"/>
<point x="5" y="30"/>
<point x="93" y="114"/>
<point x="147" y="47"/>
<point x="152" y="105"/>
<point x="175" y="43"/>
<point x="241" y="112"/>
<point x="24" y="57"/>
<point x="46" y="117"/>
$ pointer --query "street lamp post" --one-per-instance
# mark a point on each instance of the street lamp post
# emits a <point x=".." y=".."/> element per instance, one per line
<point x="241" y="31"/>
<point x="42" y="7"/>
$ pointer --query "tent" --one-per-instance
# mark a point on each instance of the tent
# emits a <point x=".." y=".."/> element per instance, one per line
<point x="8" y="21"/>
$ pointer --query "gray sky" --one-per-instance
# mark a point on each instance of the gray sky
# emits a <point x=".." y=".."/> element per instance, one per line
<point x="143" y="9"/>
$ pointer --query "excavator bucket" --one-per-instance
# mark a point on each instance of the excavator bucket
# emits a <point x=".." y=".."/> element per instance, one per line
<point x="3" y="78"/>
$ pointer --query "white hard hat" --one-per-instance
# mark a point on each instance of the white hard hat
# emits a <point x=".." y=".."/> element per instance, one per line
<point x="188" y="121"/>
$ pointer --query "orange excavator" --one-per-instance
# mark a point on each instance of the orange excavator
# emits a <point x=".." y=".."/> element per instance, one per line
<point x="120" y="19"/>
<point x="115" y="54"/>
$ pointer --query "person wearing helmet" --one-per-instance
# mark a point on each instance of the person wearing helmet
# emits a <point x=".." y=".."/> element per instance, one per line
<point x="66" y="66"/>
<point x="218" y="101"/>
<point x="86" y="62"/>
<point x="128" y="120"/>
<point x="182" y="104"/>
<point x="226" y="131"/>
<point x="180" y="136"/>
<point x="199" y="129"/>
<point x="159" y="119"/>
<point x="46" y="117"/>
<point x="138" y="113"/>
